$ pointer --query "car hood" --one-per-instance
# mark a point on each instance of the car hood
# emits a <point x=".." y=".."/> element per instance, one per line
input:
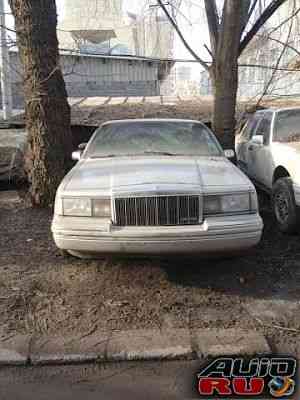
<point x="119" y="173"/>
<point x="295" y="146"/>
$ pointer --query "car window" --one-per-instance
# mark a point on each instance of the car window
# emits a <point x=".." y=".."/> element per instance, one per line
<point x="147" y="137"/>
<point x="250" y="128"/>
<point x="287" y="126"/>
<point x="264" y="127"/>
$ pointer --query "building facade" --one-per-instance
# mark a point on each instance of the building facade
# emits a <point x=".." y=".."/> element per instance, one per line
<point x="95" y="26"/>
<point x="102" y="75"/>
<point x="101" y="26"/>
<point x="270" y="65"/>
<point x="275" y="52"/>
<point x="186" y="84"/>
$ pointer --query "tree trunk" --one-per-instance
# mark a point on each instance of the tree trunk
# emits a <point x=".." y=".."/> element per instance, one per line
<point x="47" y="109"/>
<point x="225" y="84"/>
<point x="224" y="71"/>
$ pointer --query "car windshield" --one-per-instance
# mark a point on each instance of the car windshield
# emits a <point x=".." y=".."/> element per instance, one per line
<point x="287" y="126"/>
<point x="150" y="138"/>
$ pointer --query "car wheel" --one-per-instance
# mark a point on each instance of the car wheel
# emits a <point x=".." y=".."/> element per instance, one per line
<point x="284" y="206"/>
<point x="83" y="255"/>
<point x="64" y="253"/>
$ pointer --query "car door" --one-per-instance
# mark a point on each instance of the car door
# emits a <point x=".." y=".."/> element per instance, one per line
<point x="259" y="154"/>
<point x="243" y="141"/>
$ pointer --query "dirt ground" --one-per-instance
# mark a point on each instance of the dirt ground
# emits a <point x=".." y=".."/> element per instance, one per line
<point x="43" y="293"/>
<point x="92" y="112"/>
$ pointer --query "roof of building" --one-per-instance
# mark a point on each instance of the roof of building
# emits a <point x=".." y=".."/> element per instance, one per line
<point x="74" y="53"/>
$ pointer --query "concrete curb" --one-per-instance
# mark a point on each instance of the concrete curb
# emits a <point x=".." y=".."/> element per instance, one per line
<point x="230" y="342"/>
<point x="142" y="345"/>
<point x="15" y="350"/>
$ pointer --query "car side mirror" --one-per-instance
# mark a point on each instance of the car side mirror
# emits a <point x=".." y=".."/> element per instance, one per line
<point x="258" y="139"/>
<point x="230" y="154"/>
<point x="82" y="146"/>
<point x="76" y="155"/>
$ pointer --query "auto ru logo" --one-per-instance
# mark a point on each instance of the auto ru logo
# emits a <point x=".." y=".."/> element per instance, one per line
<point x="282" y="387"/>
<point x="271" y="377"/>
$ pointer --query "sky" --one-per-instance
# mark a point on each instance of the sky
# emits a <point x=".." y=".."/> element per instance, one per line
<point x="190" y="23"/>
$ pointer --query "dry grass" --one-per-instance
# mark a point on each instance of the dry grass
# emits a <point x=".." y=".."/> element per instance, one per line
<point x="80" y="298"/>
<point x="197" y="109"/>
<point x="43" y="293"/>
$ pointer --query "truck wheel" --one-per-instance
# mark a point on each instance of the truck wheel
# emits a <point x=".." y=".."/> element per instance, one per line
<point x="284" y="206"/>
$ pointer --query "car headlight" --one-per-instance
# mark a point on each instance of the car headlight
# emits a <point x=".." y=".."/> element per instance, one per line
<point x="102" y="208"/>
<point x="254" y="201"/>
<point x="235" y="203"/>
<point x="77" y="207"/>
<point x="230" y="203"/>
<point x="58" y="207"/>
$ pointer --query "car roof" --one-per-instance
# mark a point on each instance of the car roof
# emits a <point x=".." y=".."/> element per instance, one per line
<point x="163" y="120"/>
<point x="277" y="110"/>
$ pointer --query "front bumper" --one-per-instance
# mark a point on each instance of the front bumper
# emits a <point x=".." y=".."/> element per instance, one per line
<point x="297" y="194"/>
<point x="215" y="235"/>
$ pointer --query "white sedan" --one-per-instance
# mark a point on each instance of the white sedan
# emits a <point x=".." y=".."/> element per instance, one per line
<point x="155" y="187"/>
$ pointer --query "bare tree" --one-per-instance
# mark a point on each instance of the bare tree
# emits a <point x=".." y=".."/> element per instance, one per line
<point x="47" y="109"/>
<point x="228" y="38"/>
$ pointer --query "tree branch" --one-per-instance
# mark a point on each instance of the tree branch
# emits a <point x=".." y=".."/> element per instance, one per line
<point x="282" y="43"/>
<point x="268" y="12"/>
<point x="213" y="23"/>
<point x="269" y="67"/>
<point x="248" y="11"/>
<point x="251" y="11"/>
<point x="294" y="14"/>
<point x="209" y="51"/>
<point x="267" y="86"/>
<point x="176" y="27"/>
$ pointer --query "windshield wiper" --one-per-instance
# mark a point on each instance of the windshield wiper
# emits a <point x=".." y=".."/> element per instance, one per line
<point x="161" y="153"/>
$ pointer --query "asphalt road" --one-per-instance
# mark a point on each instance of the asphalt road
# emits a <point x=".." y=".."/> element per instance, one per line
<point x="111" y="381"/>
<point x="132" y="381"/>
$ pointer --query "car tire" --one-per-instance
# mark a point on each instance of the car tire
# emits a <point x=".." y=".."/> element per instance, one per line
<point x="83" y="255"/>
<point x="284" y="206"/>
<point x="64" y="253"/>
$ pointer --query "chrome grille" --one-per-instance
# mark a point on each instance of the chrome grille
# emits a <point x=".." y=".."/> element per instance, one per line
<point x="158" y="211"/>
